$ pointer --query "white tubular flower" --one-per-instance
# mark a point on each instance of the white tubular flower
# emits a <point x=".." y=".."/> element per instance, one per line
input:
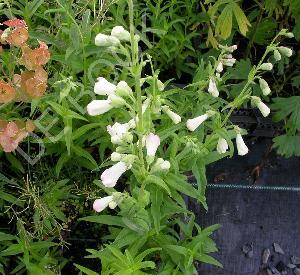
<point x="264" y="87"/>
<point x="266" y="66"/>
<point x="104" y="87"/>
<point x="264" y="109"/>
<point x="229" y="62"/>
<point x="222" y="146"/>
<point x="100" y="204"/>
<point x="123" y="89"/>
<point x="285" y="51"/>
<point x="118" y="132"/>
<point x="212" y="88"/>
<point x="111" y="175"/>
<point x="241" y="146"/>
<point x="220" y="67"/>
<point x="277" y="55"/>
<point x="194" y="123"/>
<point x="152" y="143"/>
<point x="173" y="116"/>
<point x="120" y="33"/>
<point x="98" y="107"/>
<point x="160" y="85"/>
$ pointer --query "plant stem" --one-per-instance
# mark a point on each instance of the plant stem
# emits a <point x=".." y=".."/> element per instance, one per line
<point x="249" y="46"/>
<point x="136" y="72"/>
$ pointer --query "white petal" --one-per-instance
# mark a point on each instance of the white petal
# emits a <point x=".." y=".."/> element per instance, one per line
<point x="220" y="67"/>
<point x="118" y="132"/>
<point x="264" y="87"/>
<point x="264" y="109"/>
<point x="98" y="107"/>
<point x="102" y="40"/>
<point x="241" y="146"/>
<point x="194" y="123"/>
<point x="120" y="33"/>
<point x="212" y="88"/>
<point x="172" y="115"/>
<point x="104" y="87"/>
<point x="222" y="146"/>
<point x="111" y="175"/>
<point x="152" y="143"/>
<point x="123" y="89"/>
<point x="100" y="204"/>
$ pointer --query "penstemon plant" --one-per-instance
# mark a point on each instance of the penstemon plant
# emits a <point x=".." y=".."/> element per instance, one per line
<point x="161" y="136"/>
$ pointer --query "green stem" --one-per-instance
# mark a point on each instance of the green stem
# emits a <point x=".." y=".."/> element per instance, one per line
<point x="136" y="72"/>
<point x="249" y="46"/>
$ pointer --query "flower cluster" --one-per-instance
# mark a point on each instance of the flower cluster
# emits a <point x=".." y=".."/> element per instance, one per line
<point x="132" y="141"/>
<point x="122" y="134"/>
<point x="32" y="81"/>
<point x="12" y="133"/>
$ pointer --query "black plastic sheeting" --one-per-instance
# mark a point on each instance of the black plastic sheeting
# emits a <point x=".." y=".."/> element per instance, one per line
<point x="250" y="216"/>
<point x="258" y="217"/>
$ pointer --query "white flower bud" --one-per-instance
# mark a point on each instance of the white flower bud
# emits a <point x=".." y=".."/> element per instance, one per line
<point x="266" y="66"/>
<point x="222" y="146"/>
<point x="100" y="204"/>
<point x="131" y="123"/>
<point x="194" y="123"/>
<point x="264" y="109"/>
<point x="98" y="107"/>
<point x="112" y="205"/>
<point x="264" y="87"/>
<point x="285" y="51"/>
<point x="212" y="88"/>
<point x="289" y="35"/>
<point x="228" y="48"/>
<point x="152" y="142"/>
<point x="123" y="89"/>
<point x="145" y="105"/>
<point x="102" y="40"/>
<point x="104" y="87"/>
<point x="120" y="33"/>
<point x="114" y="41"/>
<point x="232" y="48"/>
<point x="111" y="175"/>
<point x="115" y="156"/>
<point x="277" y="55"/>
<point x="241" y="146"/>
<point x="161" y="165"/>
<point x="229" y="62"/>
<point x="173" y="116"/>
<point x="220" y="67"/>
<point x="116" y="101"/>
<point x="160" y="85"/>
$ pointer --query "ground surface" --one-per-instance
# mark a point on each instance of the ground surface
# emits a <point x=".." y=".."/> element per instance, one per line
<point x="253" y="217"/>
